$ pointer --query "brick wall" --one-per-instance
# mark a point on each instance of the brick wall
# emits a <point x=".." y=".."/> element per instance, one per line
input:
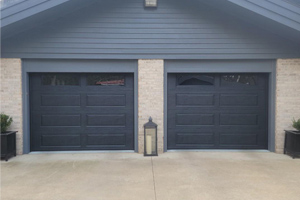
<point x="151" y="98"/>
<point x="287" y="98"/>
<point x="11" y="96"/>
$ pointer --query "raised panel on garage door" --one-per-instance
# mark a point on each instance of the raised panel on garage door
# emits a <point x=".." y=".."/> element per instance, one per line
<point x="71" y="111"/>
<point x="217" y="111"/>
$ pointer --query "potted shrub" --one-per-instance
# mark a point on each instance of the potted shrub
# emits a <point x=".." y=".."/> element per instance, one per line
<point x="292" y="140"/>
<point x="8" y="138"/>
<point x="296" y="125"/>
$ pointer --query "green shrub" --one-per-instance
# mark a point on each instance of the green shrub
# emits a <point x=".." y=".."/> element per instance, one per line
<point x="5" y="122"/>
<point x="296" y="124"/>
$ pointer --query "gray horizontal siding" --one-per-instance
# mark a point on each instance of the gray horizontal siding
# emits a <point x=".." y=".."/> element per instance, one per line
<point x="125" y="30"/>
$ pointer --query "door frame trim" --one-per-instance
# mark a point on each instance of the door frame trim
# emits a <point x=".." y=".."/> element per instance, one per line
<point x="74" y="66"/>
<point x="225" y="66"/>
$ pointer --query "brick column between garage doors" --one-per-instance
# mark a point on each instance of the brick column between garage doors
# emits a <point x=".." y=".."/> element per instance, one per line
<point x="287" y="98"/>
<point x="151" y="99"/>
<point x="11" y="96"/>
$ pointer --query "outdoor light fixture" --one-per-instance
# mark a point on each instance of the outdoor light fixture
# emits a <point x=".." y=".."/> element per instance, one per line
<point x="150" y="137"/>
<point x="150" y="3"/>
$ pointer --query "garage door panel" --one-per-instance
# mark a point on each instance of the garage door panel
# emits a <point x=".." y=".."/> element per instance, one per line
<point x="235" y="139"/>
<point x="61" y="89"/>
<point x="52" y="122"/>
<point x="238" y="100"/>
<point x="60" y="100"/>
<point x="82" y="109"/>
<point x="106" y="120"/>
<point x="106" y="100"/>
<point x="209" y="101"/>
<point x="242" y="119"/>
<point x="60" y="140"/>
<point x="194" y="119"/>
<point x="199" y="129"/>
<point x="191" y="120"/>
<point x="239" y="119"/>
<point x="194" y="110"/>
<point x="204" y="138"/>
<point x="60" y="120"/>
<point x="230" y="114"/>
<point x="193" y="146"/>
<point x="109" y="90"/>
<point x="190" y="139"/>
<point x="86" y="117"/>
<point x="105" y="139"/>
<point x="109" y="120"/>
<point x="65" y="102"/>
<point x="59" y="131"/>
<point x="61" y="103"/>
<point x="106" y="110"/>
<point x="194" y="99"/>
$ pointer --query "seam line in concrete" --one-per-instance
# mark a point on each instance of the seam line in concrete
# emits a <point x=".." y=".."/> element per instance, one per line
<point x="153" y="179"/>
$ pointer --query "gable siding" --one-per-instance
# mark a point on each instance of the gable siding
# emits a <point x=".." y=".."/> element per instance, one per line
<point x="175" y="30"/>
<point x="277" y="10"/>
<point x="25" y="9"/>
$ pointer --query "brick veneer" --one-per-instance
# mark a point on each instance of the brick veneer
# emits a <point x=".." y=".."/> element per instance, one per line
<point x="11" y="96"/>
<point x="287" y="98"/>
<point x="151" y="98"/>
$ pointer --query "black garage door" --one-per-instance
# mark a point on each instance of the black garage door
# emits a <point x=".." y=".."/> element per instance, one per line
<point x="217" y="111"/>
<point x="81" y="112"/>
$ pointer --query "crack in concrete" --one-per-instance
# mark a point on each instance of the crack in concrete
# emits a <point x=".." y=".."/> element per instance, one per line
<point x="153" y="179"/>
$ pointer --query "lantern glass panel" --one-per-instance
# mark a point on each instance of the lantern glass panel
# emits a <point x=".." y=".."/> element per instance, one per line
<point x="150" y="141"/>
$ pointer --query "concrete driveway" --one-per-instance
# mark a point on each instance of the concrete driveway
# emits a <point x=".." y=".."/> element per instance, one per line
<point x="173" y="175"/>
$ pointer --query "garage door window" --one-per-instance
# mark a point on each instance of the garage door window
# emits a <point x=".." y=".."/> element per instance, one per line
<point x="105" y="80"/>
<point x="60" y="79"/>
<point x="243" y="79"/>
<point x="195" y="79"/>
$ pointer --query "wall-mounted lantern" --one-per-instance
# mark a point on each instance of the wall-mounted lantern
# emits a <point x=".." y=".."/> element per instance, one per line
<point x="150" y="136"/>
<point x="150" y="3"/>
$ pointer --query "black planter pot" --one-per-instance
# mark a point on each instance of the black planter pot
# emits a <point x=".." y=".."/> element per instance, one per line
<point x="292" y="143"/>
<point x="8" y="145"/>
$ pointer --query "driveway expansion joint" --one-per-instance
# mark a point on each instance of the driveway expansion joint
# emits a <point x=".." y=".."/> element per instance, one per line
<point x="153" y="179"/>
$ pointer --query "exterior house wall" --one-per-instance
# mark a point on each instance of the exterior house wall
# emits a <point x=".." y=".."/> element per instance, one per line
<point x="287" y="98"/>
<point x="151" y="99"/>
<point x="11" y="96"/>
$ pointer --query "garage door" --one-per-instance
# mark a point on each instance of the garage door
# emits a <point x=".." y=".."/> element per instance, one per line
<point x="81" y="112"/>
<point x="217" y="111"/>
